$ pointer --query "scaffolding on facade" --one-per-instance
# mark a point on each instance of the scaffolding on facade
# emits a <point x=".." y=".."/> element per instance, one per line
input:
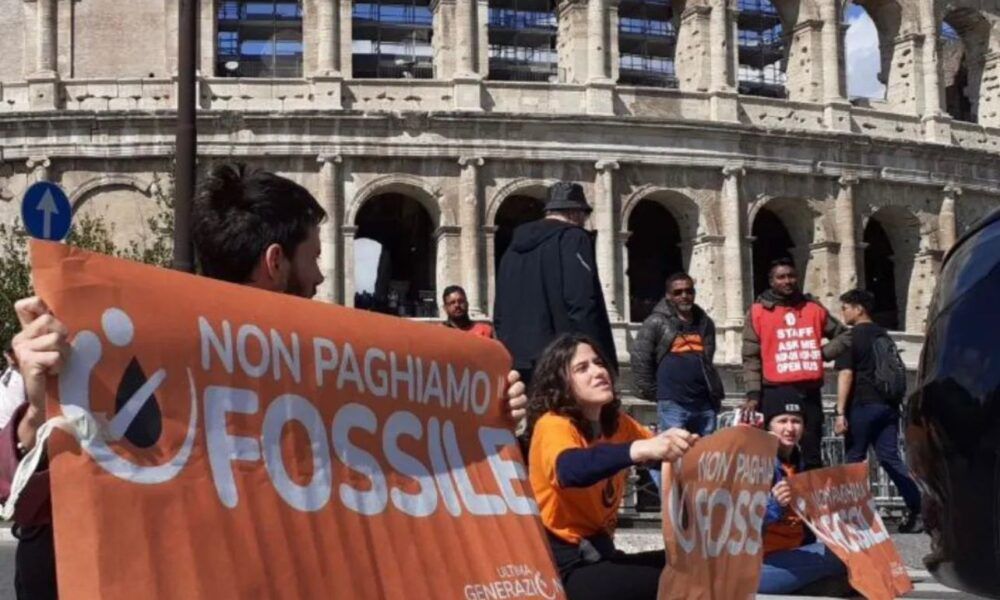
<point x="522" y="40"/>
<point x="259" y="39"/>
<point x="647" y="41"/>
<point x="762" y="48"/>
<point x="392" y="39"/>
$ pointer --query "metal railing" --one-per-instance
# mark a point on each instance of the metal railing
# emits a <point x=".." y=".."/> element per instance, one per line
<point x="236" y="10"/>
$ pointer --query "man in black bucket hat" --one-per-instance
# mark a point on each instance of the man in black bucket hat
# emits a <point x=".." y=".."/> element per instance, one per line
<point x="548" y="282"/>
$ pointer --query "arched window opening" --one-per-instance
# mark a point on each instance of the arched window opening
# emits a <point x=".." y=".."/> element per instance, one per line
<point x="522" y="40"/>
<point x="392" y="39"/>
<point x="259" y="39"/>
<point x="647" y="41"/>
<point x="514" y="212"/>
<point x="771" y="241"/>
<point x="762" y="49"/>
<point x="863" y="56"/>
<point x="963" y="39"/>
<point x="654" y="253"/>
<point x="402" y="270"/>
<point x="880" y="275"/>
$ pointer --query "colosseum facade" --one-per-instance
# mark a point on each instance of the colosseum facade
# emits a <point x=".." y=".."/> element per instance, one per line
<point x="710" y="135"/>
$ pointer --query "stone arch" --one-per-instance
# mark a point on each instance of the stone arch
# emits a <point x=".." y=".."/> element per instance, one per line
<point x="904" y="237"/>
<point x="683" y="207"/>
<point x="534" y="188"/>
<point x="398" y="249"/>
<point x="407" y="185"/>
<point x="895" y="22"/>
<point x="807" y="237"/>
<point x="967" y="37"/>
<point x="124" y="203"/>
<point x="663" y="229"/>
<point x="87" y="189"/>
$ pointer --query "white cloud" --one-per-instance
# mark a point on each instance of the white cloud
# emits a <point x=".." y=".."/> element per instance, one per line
<point x="861" y="48"/>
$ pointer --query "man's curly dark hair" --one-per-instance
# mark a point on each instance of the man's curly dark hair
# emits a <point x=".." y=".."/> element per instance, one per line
<point x="551" y="390"/>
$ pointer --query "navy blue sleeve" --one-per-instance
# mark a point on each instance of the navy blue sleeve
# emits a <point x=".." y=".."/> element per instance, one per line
<point x="583" y="467"/>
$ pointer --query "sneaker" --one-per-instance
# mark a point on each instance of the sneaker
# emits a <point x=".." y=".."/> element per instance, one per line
<point x="913" y="524"/>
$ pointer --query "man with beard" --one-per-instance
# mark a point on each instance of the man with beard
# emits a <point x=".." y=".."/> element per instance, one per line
<point x="456" y="306"/>
<point x="783" y="352"/>
<point x="672" y="361"/>
<point x="252" y="228"/>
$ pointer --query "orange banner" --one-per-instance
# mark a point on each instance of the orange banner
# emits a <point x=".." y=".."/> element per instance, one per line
<point x="837" y="505"/>
<point x="234" y="443"/>
<point x="714" y="503"/>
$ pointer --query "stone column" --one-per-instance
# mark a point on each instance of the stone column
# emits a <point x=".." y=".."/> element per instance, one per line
<point x="443" y="41"/>
<point x="805" y="81"/>
<point x="467" y="38"/>
<point x="469" y="205"/>
<point x="490" y="233"/>
<point x="327" y="89"/>
<point x="38" y="168"/>
<point x="348" y="232"/>
<point x="937" y="124"/>
<point x="605" y="212"/>
<point x="623" y="238"/>
<point x="693" y="54"/>
<point x="723" y="104"/>
<point x="447" y="244"/>
<point x="45" y="50"/>
<point x="345" y="24"/>
<point x="989" y="96"/>
<point x="327" y="37"/>
<point x="331" y="198"/>
<point x="468" y="80"/>
<point x="732" y="228"/>
<point x="207" y="39"/>
<point x="571" y="41"/>
<point x="829" y="11"/>
<point x="947" y="227"/>
<point x="904" y="90"/>
<point x="43" y="81"/>
<point x="597" y="40"/>
<point x="845" y="219"/>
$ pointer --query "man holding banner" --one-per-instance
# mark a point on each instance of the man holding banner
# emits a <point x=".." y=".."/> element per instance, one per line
<point x="252" y="228"/>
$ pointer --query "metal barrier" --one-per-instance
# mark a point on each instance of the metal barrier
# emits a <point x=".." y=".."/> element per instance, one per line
<point x="642" y="499"/>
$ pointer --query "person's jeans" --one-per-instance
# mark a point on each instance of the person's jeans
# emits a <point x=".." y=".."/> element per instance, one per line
<point x="700" y="419"/>
<point x="787" y="571"/>
<point x="877" y="425"/>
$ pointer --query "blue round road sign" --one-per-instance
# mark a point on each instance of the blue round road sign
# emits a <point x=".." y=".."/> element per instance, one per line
<point x="46" y="212"/>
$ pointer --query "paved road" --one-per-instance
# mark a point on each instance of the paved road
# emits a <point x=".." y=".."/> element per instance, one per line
<point x="6" y="569"/>
<point x="911" y="547"/>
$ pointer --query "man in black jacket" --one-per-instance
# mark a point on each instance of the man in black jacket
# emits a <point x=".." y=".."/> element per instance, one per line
<point x="548" y="283"/>
<point x="672" y="361"/>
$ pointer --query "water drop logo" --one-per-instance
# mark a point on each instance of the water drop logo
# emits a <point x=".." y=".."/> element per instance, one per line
<point x="137" y="417"/>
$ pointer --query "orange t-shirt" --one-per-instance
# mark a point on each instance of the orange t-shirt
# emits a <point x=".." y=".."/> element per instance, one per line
<point x="788" y="532"/>
<point x="575" y="513"/>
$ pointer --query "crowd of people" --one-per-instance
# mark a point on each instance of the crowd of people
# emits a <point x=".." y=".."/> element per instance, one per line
<point x="261" y="230"/>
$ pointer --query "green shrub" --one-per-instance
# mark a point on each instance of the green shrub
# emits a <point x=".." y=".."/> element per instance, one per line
<point x="90" y="233"/>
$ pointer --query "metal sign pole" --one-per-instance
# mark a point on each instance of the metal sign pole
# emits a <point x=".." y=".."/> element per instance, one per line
<point x="187" y="135"/>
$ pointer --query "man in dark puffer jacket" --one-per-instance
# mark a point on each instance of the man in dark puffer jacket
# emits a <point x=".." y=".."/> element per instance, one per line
<point x="672" y="361"/>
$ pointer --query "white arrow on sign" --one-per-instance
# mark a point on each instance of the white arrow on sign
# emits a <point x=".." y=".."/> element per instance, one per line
<point x="48" y="206"/>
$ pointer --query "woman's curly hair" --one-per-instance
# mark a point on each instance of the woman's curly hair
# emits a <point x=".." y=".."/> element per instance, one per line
<point x="551" y="390"/>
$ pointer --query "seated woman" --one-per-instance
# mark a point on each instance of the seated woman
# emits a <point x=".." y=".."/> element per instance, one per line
<point x="581" y="445"/>
<point x="794" y="562"/>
